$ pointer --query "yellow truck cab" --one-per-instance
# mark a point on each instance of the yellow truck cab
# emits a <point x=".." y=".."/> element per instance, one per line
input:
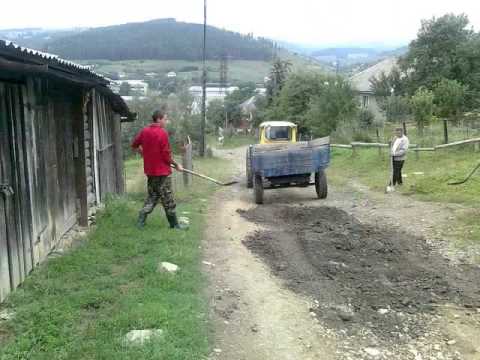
<point x="274" y="132"/>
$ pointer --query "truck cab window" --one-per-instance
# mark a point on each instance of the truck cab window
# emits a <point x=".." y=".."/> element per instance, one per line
<point x="278" y="133"/>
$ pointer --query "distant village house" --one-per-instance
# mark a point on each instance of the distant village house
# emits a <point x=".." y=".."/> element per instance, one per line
<point x="361" y="83"/>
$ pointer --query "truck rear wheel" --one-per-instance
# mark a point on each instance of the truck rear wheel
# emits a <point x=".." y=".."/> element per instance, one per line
<point x="258" y="189"/>
<point x="321" y="186"/>
<point x="248" y="168"/>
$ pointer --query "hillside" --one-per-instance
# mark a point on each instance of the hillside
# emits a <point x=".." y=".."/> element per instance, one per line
<point x="239" y="71"/>
<point x="36" y="38"/>
<point x="164" y="39"/>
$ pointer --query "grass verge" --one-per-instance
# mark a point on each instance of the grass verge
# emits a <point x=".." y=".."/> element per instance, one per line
<point x="81" y="305"/>
<point x="232" y="142"/>
<point x="427" y="180"/>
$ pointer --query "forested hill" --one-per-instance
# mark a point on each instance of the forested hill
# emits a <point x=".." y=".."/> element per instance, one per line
<point x="164" y="39"/>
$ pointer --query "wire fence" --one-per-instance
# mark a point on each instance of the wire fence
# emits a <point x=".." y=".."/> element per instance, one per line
<point x="440" y="132"/>
<point x="383" y="148"/>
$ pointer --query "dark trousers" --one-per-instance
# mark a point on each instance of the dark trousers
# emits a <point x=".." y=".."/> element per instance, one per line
<point x="397" y="172"/>
<point x="159" y="189"/>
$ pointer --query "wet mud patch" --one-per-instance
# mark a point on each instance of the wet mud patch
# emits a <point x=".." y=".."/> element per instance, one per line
<point x="362" y="277"/>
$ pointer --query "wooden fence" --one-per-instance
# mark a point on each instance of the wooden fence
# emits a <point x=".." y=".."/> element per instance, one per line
<point x="184" y="180"/>
<point x="354" y="146"/>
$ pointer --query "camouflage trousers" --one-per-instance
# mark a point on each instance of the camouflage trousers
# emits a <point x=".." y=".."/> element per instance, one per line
<point x="159" y="188"/>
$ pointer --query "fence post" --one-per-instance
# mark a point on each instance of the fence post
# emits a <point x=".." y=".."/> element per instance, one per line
<point x="445" y="131"/>
<point x="187" y="161"/>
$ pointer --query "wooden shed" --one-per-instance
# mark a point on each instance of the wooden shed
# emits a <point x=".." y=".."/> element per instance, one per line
<point x="60" y="154"/>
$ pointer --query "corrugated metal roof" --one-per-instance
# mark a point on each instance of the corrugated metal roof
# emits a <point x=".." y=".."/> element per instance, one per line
<point x="361" y="81"/>
<point x="10" y="48"/>
<point x="67" y="70"/>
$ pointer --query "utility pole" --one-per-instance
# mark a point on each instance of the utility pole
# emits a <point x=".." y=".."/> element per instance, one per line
<point x="204" y="82"/>
<point x="224" y="72"/>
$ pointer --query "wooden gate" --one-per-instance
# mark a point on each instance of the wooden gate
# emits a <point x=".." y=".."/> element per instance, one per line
<point x="16" y="257"/>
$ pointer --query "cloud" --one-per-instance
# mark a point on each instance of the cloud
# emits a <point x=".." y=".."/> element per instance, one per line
<point x="303" y="21"/>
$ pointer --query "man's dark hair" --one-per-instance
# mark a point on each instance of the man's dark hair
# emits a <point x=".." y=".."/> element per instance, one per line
<point x="158" y="114"/>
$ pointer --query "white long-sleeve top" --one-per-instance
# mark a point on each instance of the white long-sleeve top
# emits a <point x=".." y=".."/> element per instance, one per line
<point x="400" y="148"/>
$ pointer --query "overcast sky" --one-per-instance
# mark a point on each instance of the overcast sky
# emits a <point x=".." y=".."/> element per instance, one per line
<point x="303" y="21"/>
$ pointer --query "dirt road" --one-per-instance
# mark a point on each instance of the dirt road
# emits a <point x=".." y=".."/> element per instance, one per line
<point x="352" y="277"/>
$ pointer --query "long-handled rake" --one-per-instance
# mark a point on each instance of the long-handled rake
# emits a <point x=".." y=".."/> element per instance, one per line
<point x="205" y="177"/>
<point x="390" y="188"/>
<point x="467" y="178"/>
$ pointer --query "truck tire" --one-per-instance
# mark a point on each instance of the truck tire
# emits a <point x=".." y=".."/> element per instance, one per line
<point x="248" y="168"/>
<point x="258" y="189"/>
<point x="321" y="186"/>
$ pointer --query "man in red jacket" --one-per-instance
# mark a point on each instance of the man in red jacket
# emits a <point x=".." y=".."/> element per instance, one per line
<point x="152" y="143"/>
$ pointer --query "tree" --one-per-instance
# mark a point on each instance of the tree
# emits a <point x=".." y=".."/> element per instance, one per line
<point x="261" y="113"/>
<point x="233" y="100"/>
<point x="336" y="103"/>
<point x="278" y="76"/>
<point x="397" y="108"/>
<point x="293" y="101"/>
<point x="314" y="101"/>
<point x="384" y="85"/>
<point x="381" y="85"/>
<point x="216" y="113"/>
<point x="467" y="68"/>
<point x="366" y="118"/>
<point x="125" y="89"/>
<point x="422" y="103"/>
<point x="434" y="54"/>
<point x="449" y="98"/>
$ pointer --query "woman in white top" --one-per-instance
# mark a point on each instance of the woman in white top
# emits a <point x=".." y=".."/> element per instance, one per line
<point x="399" y="154"/>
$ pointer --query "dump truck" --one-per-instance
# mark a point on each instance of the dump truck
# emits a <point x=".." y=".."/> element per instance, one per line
<point x="280" y="160"/>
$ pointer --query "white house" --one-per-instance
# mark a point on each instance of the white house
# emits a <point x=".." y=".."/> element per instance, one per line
<point x="137" y="87"/>
<point x="213" y="93"/>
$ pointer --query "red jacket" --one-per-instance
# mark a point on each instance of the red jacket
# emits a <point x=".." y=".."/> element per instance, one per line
<point x="155" y="149"/>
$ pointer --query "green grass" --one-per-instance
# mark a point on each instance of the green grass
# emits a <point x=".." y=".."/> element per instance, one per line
<point x="437" y="169"/>
<point x="232" y="142"/>
<point x="81" y="305"/>
<point x="239" y="70"/>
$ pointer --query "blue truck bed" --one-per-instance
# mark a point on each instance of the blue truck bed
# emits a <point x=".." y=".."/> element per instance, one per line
<point x="291" y="159"/>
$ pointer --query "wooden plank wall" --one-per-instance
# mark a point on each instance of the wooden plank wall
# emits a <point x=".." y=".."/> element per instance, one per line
<point x="79" y="149"/>
<point x="42" y="166"/>
<point x="5" y="202"/>
<point x="66" y="209"/>
<point x="15" y="224"/>
<point x="89" y="143"/>
<point x="60" y="149"/>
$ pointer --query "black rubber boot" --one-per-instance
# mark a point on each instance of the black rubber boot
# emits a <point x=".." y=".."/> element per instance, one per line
<point x="142" y="217"/>
<point x="173" y="221"/>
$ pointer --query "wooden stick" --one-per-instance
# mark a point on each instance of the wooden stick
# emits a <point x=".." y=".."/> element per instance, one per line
<point x="208" y="178"/>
